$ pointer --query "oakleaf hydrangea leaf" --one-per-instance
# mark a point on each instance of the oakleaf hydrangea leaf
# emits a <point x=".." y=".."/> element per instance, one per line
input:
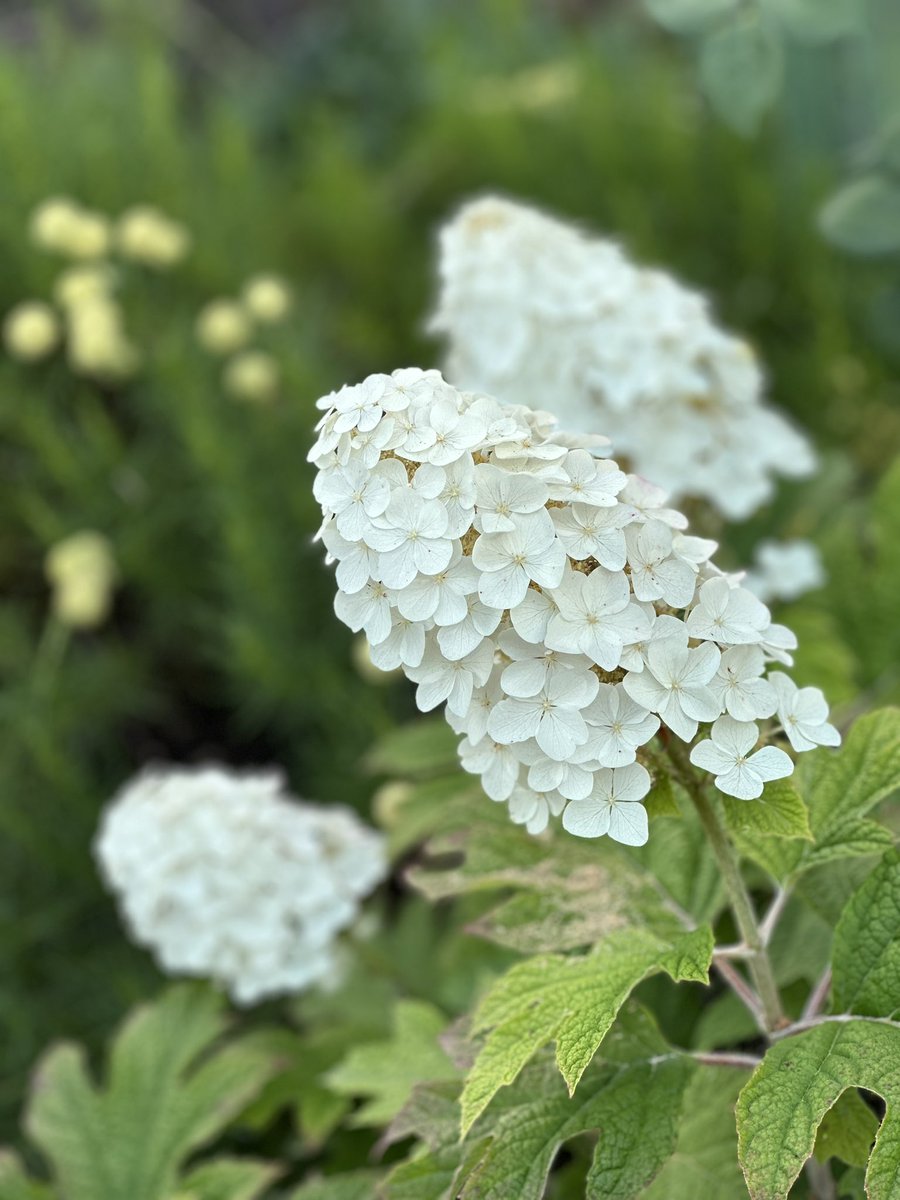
<point x="801" y="1077"/>
<point x="866" y="961"/>
<point x="159" y="1108"/>
<point x="350" y="1185"/>
<point x="779" y="812"/>
<point x="572" y="1001"/>
<point x="14" y="1182"/>
<point x="704" y="1163"/>
<point x="387" y="1071"/>
<point x="847" y="1131"/>
<point x="229" y="1179"/>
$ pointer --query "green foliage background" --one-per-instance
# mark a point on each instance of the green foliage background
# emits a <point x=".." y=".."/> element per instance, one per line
<point x="328" y="147"/>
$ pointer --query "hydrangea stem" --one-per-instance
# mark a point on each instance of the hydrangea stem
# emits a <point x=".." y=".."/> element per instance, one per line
<point x="758" y="962"/>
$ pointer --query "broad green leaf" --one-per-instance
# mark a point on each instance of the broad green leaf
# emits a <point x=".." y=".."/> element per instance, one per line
<point x="801" y="944"/>
<point x="847" y="1131"/>
<point x="687" y="16"/>
<point x="229" y="1179"/>
<point x="129" y="1138"/>
<point x="866" y="961"/>
<point x="429" y="1175"/>
<point x="741" y="69"/>
<point x="572" y="1001"/>
<point x="15" y="1183"/>
<point x="864" y="216"/>
<point x="704" y="1163"/>
<point x="388" y="1070"/>
<point x="840" y="787"/>
<point x="801" y="1077"/>
<point x="817" y="20"/>
<point x="570" y="893"/>
<point x="353" y="1185"/>
<point x="661" y="800"/>
<point x="634" y="1106"/>
<point x="779" y="812"/>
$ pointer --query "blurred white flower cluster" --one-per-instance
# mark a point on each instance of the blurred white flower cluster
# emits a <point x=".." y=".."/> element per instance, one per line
<point x="225" y="328"/>
<point x="87" y="316"/>
<point x="785" y="570"/>
<point x="534" y="310"/>
<point x="224" y="875"/>
<point x="554" y="603"/>
<point x="82" y="572"/>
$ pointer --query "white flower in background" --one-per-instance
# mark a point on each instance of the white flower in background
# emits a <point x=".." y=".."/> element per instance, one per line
<point x="803" y="713"/>
<point x="226" y="876"/>
<point x="64" y="227"/>
<point x="98" y="345"/>
<point x="727" y="755"/>
<point x="222" y="327"/>
<point x="145" y="235"/>
<point x="31" y="331"/>
<point x="537" y="312"/>
<point x="253" y="376"/>
<point x="551" y="602"/>
<point x="266" y="298"/>
<point x="614" y="807"/>
<point x="82" y="572"/>
<point x="785" y="570"/>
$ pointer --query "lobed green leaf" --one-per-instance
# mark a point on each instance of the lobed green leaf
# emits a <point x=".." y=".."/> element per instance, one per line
<point x="866" y="959"/>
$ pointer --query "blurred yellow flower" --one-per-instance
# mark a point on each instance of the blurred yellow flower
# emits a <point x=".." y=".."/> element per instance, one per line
<point x="253" y="376"/>
<point x="222" y="327"/>
<point x="146" y="235"/>
<point x="388" y="802"/>
<point x="31" y="331"/>
<point x="76" y="285"/>
<point x="98" y="344"/>
<point x="546" y="86"/>
<point x="266" y="298"/>
<point x="61" y="225"/>
<point x="82" y="572"/>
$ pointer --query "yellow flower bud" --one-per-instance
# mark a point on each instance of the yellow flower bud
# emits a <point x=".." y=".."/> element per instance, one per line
<point x="266" y="298"/>
<point x="98" y="345"/>
<point x="76" y="285"/>
<point x="145" y="235"/>
<point x="389" y="800"/>
<point x="31" y="331"/>
<point x="222" y="327"/>
<point x="64" y="227"/>
<point x="82" y="572"/>
<point x="252" y="376"/>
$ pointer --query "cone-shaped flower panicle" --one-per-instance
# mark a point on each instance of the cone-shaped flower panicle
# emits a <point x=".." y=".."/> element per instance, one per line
<point x="550" y="601"/>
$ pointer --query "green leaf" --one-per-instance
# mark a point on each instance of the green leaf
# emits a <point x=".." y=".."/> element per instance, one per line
<point x="353" y="1185"/>
<point x="423" y="748"/>
<point x="741" y="69"/>
<point x="864" y="216"/>
<point x="817" y="20"/>
<point x="847" y="1131"/>
<point x="635" y="1107"/>
<point x="570" y="893"/>
<point x="430" y="1175"/>
<point x="687" y="16"/>
<point x="704" y="1163"/>
<point x="866" y="960"/>
<point x="798" y="1081"/>
<point x="660" y="801"/>
<point x="15" y="1183"/>
<point x="572" y="1001"/>
<point x="387" y="1071"/>
<point x="779" y="812"/>
<point x="841" y="787"/>
<point x="229" y="1179"/>
<point x="159" y="1108"/>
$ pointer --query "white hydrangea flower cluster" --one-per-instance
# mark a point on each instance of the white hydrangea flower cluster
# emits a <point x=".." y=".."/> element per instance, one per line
<point x="552" y="602"/>
<point x="785" y="570"/>
<point x="226" y="876"/>
<point x="535" y="310"/>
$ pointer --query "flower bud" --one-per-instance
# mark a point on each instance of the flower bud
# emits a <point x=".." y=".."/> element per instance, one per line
<point x="31" y="331"/>
<point x="222" y="327"/>
<point x="266" y="298"/>
<point x="252" y="376"/>
<point x="82" y="573"/>
<point x="145" y="235"/>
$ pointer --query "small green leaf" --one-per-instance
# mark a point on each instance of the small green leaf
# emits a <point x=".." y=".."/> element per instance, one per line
<point x="741" y="69"/>
<point x="779" y="812"/>
<point x="705" y="1164"/>
<point x="866" y="961"/>
<point x="15" y="1183"/>
<point x="864" y="216"/>
<point x="353" y="1185"/>
<point x="229" y="1179"/>
<point x="801" y="1077"/>
<point x="687" y="16"/>
<point x="387" y="1071"/>
<point x="660" y="801"/>
<point x="572" y="1001"/>
<point x="847" y="1131"/>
